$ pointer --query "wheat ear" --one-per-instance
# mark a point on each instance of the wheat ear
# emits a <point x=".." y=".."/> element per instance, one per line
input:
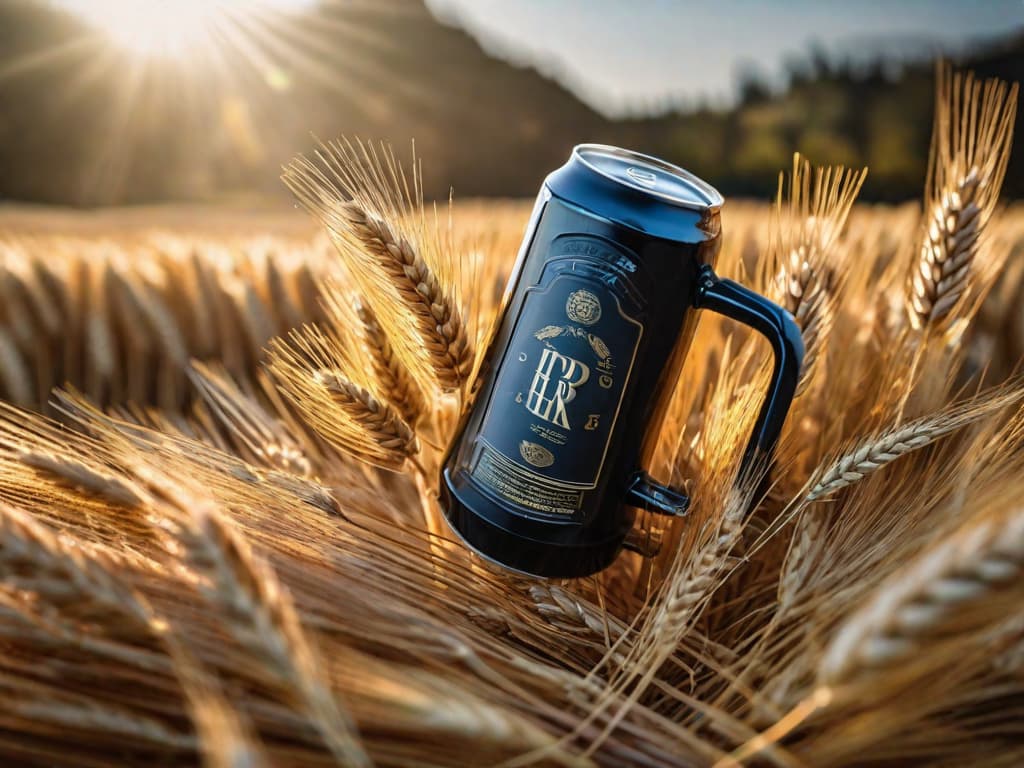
<point x="380" y="422"/>
<point x="344" y="411"/>
<point x="437" y="316"/>
<point x="84" y="479"/>
<point x="971" y="140"/>
<point x="870" y="455"/>
<point x="382" y="248"/>
<point x="915" y="603"/>
<point x="807" y="543"/>
<point x="688" y="587"/>
<point x="261" y="616"/>
<point x="567" y="612"/>
<point x="81" y="587"/>
<point x="819" y="203"/>
<point x="395" y="383"/>
<point x="873" y="453"/>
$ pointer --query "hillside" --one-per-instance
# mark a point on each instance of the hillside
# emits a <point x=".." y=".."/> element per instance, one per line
<point x="84" y="125"/>
<point x="80" y="125"/>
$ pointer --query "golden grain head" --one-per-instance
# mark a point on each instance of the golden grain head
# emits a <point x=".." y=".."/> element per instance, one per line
<point x="970" y="149"/>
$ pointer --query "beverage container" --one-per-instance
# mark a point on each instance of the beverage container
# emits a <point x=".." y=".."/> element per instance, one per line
<point x="546" y="472"/>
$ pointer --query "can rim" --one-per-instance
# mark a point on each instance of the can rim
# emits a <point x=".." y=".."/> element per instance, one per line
<point x="712" y="201"/>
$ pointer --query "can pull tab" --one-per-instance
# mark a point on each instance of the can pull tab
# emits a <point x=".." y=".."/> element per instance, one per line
<point x="648" y="495"/>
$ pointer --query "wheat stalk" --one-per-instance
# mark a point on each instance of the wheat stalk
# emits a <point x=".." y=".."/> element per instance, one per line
<point x="971" y="142"/>
<point x="262" y="618"/>
<point x="77" y="475"/>
<point x="910" y="608"/>
<point x="396" y="385"/>
<point x="436" y="318"/>
<point x="873" y="453"/>
<point x="817" y="206"/>
<point x="341" y="409"/>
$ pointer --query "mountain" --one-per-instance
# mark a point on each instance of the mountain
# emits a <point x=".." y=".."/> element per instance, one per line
<point x="83" y="124"/>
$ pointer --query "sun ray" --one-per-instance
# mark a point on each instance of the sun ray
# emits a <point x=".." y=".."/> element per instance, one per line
<point x="317" y="56"/>
<point x="53" y="56"/>
<point x="154" y="28"/>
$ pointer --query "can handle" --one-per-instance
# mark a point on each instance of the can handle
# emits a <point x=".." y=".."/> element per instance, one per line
<point x="731" y="299"/>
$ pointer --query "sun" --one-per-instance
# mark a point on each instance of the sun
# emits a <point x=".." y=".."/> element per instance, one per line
<point x="168" y="28"/>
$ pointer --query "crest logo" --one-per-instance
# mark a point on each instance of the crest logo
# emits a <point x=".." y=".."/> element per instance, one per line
<point x="583" y="307"/>
<point x="536" y="455"/>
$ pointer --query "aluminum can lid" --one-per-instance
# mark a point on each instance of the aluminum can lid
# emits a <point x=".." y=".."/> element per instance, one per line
<point x="649" y="175"/>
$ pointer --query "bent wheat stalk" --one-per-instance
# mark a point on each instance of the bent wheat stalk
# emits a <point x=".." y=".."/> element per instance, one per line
<point x="262" y="618"/>
<point x="911" y="607"/>
<point x="875" y="452"/>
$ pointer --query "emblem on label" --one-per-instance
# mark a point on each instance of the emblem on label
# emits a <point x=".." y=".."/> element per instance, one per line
<point x="537" y="455"/>
<point x="583" y="307"/>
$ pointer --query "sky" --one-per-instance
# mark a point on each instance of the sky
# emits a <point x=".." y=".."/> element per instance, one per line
<point x="636" y="55"/>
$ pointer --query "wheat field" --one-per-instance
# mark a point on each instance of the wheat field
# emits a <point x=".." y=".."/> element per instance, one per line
<point x="220" y="540"/>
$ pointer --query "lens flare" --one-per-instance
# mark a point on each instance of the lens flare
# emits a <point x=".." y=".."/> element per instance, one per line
<point x="169" y="28"/>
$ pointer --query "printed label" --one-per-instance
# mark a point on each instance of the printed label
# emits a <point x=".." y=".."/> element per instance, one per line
<point x="556" y="396"/>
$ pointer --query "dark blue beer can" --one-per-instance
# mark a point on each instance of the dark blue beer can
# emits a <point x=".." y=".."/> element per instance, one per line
<point x="546" y="472"/>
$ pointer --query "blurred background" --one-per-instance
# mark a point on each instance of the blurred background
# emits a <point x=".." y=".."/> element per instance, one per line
<point x="112" y="102"/>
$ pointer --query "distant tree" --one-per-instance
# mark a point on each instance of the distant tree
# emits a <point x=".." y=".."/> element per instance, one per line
<point x="752" y="85"/>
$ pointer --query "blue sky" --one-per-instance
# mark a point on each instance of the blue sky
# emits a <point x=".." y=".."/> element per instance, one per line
<point x="633" y="55"/>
